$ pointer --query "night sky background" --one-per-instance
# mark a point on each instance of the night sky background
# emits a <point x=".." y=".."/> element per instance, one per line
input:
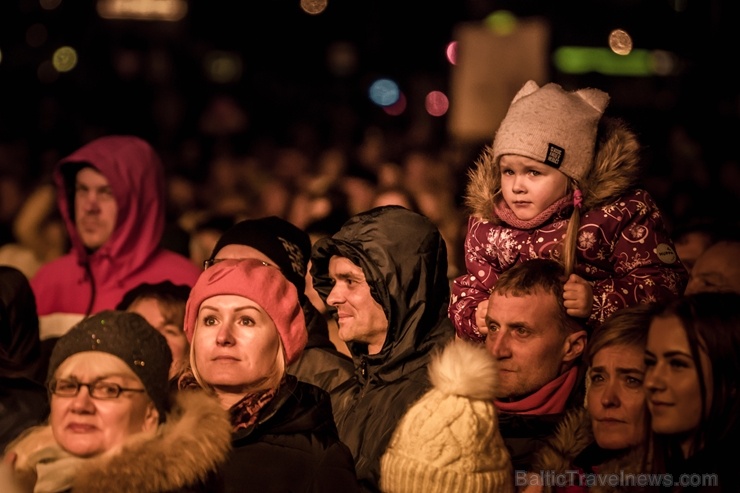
<point x="130" y="73"/>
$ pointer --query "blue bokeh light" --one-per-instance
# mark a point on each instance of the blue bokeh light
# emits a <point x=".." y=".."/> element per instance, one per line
<point x="384" y="92"/>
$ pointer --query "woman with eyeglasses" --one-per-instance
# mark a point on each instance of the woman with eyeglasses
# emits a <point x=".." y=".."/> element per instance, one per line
<point x="111" y="427"/>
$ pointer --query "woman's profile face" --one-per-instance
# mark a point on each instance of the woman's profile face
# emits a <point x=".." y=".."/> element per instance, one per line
<point x="672" y="378"/>
<point x="85" y="426"/>
<point x="236" y="345"/>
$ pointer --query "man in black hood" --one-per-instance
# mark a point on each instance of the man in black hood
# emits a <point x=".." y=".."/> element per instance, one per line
<point x="384" y="274"/>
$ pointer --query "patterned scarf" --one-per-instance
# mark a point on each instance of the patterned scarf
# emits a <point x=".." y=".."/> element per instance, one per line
<point x="245" y="412"/>
<point x="504" y="212"/>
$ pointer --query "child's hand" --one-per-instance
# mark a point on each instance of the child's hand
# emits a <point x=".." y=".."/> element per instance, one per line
<point x="578" y="296"/>
<point x="480" y="317"/>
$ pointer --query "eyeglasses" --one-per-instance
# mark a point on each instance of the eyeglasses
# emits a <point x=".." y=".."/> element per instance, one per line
<point x="98" y="389"/>
<point x="213" y="261"/>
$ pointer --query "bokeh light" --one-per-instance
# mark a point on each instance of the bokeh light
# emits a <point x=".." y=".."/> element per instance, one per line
<point x="64" y="59"/>
<point x="664" y="62"/>
<point x="49" y="4"/>
<point x="36" y="35"/>
<point x="314" y="7"/>
<point x="584" y="59"/>
<point x="620" y="42"/>
<point x="341" y="58"/>
<point x="680" y="5"/>
<point x="501" y="22"/>
<point x="223" y="67"/>
<point x="398" y="107"/>
<point x="452" y="52"/>
<point x="384" y="92"/>
<point x="436" y="103"/>
<point x="160" y="10"/>
<point x="46" y="72"/>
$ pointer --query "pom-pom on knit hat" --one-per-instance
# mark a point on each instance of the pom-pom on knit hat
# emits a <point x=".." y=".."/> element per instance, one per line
<point x="553" y="126"/>
<point x="128" y="336"/>
<point x="449" y="440"/>
<point x="261" y="283"/>
<point x="283" y="242"/>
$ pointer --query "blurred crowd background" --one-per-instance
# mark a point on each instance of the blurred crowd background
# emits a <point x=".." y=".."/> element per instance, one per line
<point x="262" y="108"/>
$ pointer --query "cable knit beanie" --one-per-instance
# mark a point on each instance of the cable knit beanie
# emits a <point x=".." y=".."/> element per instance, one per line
<point x="283" y="242"/>
<point x="449" y="439"/>
<point x="261" y="283"/>
<point x="553" y="126"/>
<point x="128" y="336"/>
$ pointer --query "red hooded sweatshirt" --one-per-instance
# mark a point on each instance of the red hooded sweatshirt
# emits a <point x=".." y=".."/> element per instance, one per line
<point x="81" y="283"/>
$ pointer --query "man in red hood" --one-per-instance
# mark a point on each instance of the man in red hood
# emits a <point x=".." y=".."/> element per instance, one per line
<point x="111" y="194"/>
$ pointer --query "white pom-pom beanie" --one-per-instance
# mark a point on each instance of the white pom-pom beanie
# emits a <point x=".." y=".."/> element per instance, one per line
<point x="449" y="439"/>
<point x="553" y="126"/>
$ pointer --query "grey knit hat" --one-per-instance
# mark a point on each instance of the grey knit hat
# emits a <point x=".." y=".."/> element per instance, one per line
<point x="553" y="126"/>
<point x="128" y="336"/>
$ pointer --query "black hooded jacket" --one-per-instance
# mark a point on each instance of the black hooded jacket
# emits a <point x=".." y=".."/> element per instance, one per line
<point x="404" y="259"/>
<point x="24" y="401"/>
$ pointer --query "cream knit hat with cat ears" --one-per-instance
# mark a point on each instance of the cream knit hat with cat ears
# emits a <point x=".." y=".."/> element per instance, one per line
<point x="553" y="126"/>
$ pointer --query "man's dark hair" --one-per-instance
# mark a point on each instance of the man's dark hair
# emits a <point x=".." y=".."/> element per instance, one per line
<point x="172" y="297"/>
<point x="538" y="274"/>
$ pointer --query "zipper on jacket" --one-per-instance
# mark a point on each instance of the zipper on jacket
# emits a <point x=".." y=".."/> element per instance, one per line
<point x="93" y="290"/>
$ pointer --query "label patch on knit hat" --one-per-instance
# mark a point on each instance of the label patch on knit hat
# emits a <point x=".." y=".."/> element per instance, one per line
<point x="555" y="155"/>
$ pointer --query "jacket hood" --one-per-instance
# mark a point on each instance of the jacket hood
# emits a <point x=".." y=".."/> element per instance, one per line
<point x="192" y="443"/>
<point x="616" y="170"/>
<point x="136" y="176"/>
<point x="404" y="259"/>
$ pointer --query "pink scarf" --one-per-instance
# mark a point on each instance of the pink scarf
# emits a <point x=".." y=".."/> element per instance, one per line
<point x="550" y="399"/>
<point x="504" y="212"/>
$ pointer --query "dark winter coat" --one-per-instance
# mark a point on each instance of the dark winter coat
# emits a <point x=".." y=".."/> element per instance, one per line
<point x="404" y="259"/>
<point x="293" y="447"/>
<point x="24" y="401"/>
<point x="624" y="248"/>
<point x="320" y="363"/>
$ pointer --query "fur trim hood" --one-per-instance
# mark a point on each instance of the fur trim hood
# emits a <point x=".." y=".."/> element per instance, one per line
<point x="616" y="169"/>
<point x="571" y="438"/>
<point x="193" y="442"/>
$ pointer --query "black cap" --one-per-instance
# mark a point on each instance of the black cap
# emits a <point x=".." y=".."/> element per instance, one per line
<point x="129" y="337"/>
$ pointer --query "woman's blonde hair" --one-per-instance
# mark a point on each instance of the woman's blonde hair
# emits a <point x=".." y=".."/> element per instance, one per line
<point x="570" y="242"/>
